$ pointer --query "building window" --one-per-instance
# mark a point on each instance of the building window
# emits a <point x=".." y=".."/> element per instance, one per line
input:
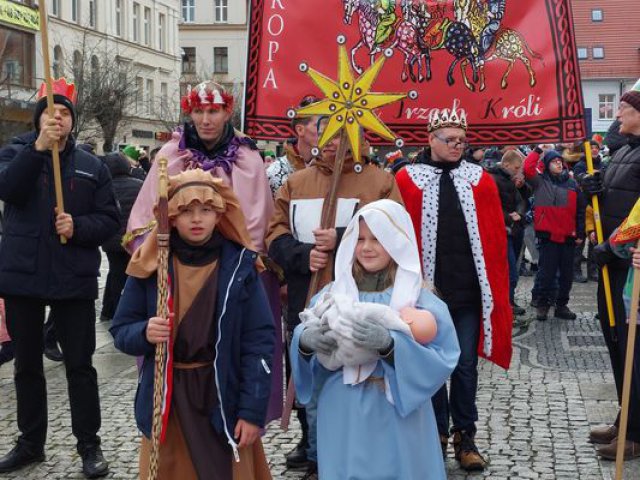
<point x="77" y="67"/>
<point x="220" y="60"/>
<point x="16" y="61"/>
<point x="149" y="96"/>
<point x="55" y="8"/>
<point x="139" y="93"/>
<point x="189" y="60"/>
<point x="582" y="53"/>
<point x="606" y="106"/>
<point x="188" y="10"/>
<point x="58" y="61"/>
<point x="161" y="32"/>
<point x="136" y="22"/>
<point x="597" y="15"/>
<point x="164" y="98"/>
<point x="74" y="11"/>
<point x="92" y="13"/>
<point x="147" y="26"/>
<point x="95" y="70"/>
<point x="119" y="18"/>
<point x="221" y="11"/>
<point x="598" y="52"/>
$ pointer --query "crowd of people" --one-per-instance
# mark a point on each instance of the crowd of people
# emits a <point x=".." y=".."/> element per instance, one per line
<point x="413" y="282"/>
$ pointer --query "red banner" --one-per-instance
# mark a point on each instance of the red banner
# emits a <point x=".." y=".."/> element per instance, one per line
<point x="511" y="65"/>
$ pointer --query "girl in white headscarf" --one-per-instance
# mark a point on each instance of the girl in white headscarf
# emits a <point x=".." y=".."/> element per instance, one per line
<point x="356" y="351"/>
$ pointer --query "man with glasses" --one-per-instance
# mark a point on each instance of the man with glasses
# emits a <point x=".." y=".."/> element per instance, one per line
<point x="297" y="151"/>
<point x="456" y="212"/>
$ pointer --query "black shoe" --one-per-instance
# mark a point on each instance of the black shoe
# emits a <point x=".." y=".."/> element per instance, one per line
<point x="562" y="312"/>
<point x="93" y="463"/>
<point x="53" y="353"/>
<point x="296" y="459"/>
<point x="541" y="312"/>
<point x="20" y="457"/>
<point x="579" y="278"/>
<point x="518" y="310"/>
<point x="593" y="277"/>
<point x="6" y="352"/>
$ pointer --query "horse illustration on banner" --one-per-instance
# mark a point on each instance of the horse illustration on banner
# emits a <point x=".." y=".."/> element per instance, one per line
<point x="472" y="34"/>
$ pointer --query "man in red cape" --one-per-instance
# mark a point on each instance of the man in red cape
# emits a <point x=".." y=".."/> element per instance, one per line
<point x="455" y="208"/>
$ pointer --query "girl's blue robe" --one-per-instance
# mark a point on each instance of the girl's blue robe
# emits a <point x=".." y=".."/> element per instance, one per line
<point x="361" y="435"/>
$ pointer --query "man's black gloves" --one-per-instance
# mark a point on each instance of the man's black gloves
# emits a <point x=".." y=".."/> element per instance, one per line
<point x="602" y="254"/>
<point x="592" y="183"/>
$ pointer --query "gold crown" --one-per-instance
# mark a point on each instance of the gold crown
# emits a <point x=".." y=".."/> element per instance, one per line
<point x="447" y="118"/>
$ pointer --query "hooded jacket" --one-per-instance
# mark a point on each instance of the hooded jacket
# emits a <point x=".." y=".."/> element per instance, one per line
<point x="298" y="209"/>
<point x="559" y="213"/>
<point x="33" y="262"/>
<point x="126" y="188"/>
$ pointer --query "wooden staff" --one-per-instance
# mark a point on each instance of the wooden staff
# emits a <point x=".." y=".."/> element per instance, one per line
<point x="327" y="220"/>
<point x="606" y="283"/>
<point x="162" y="311"/>
<point x="628" y="369"/>
<point x="55" y="153"/>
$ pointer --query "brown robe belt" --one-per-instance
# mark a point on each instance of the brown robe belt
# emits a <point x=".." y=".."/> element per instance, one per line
<point x="190" y="366"/>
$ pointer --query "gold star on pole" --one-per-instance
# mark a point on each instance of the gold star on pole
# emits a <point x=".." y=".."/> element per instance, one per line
<point x="349" y="104"/>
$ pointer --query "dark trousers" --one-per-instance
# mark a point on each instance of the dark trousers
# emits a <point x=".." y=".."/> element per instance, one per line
<point x="75" y="330"/>
<point x="577" y="258"/>
<point x="116" y="279"/>
<point x="617" y="350"/>
<point x="513" y="267"/>
<point x="460" y="404"/>
<point x="556" y="259"/>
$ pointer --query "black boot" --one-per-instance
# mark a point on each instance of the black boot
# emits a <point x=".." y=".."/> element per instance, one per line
<point x="93" y="463"/>
<point x="53" y="353"/>
<point x="6" y="352"/>
<point x="296" y="459"/>
<point x="19" y="457"/>
<point x="541" y="312"/>
<point x="562" y="312"/>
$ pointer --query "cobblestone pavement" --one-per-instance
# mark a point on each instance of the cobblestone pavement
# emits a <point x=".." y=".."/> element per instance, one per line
<point x="534" y="419"/>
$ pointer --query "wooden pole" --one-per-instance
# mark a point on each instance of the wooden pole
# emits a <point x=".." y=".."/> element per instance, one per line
<point x="162" y="311"/>
<point x="628" y="369"/>
<point x="327" y="220"/>
<point x="55" y="153"/>
<point x="606" y="283"/>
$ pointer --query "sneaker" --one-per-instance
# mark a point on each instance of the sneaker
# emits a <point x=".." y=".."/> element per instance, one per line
<point x="6" y="352"/>
<point x="541" y="312"/>
<point x="562" y="312"/>
<point x="53" y="353"/>
<point x="296" y="459"/>
<point x="517" y="309"/>
<point x="93" y="463"/>
<point x="467" y="452"/>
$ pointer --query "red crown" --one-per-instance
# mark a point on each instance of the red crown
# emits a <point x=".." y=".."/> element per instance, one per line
<point x="60" y="87"/>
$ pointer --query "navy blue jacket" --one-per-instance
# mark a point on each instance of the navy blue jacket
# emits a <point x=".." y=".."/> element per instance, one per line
<point x="246" y="341"/>
<point x="33" y="262"/>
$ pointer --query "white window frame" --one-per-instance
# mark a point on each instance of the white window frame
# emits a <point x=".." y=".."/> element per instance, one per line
<point x="188" y="11"/>
<point x="93" y="14"/>
<point x="162" y="32"/>
<point x="583" y="53"/>
<point x="215" y="69"/>
<point x="55" y="8"/>
<point x="149" y="87"/>
<point x="147" y="27"/>
<point x="119" y="18"/>
<point x="595" y="53"/>
<point x="75" y="11"/>
<point x="607" y="102"/>
<point x="597" y="15"/>
<point x="135" y="16"/>
<point x="221" y="11"/>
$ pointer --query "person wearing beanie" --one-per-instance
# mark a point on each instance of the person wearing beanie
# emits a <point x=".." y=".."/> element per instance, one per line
<point x="38" y="270"/>
<point x="618" y="189"/>
<point x="139" y="162"/>
<point x="455" y="208"/>
<point x="559" y="225"/>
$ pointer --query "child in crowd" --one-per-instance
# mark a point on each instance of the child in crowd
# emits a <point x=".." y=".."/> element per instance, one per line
<point x="379" y="410"/>
<point x="220" y="335"/>
<point x="559" y="225"/>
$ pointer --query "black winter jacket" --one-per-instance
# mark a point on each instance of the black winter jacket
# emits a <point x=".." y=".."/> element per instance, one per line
<point x="510" y="199"/>
<point x="126" y="188"/>
<point x="621" y="190"/>
<point x="33" y="262"/>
